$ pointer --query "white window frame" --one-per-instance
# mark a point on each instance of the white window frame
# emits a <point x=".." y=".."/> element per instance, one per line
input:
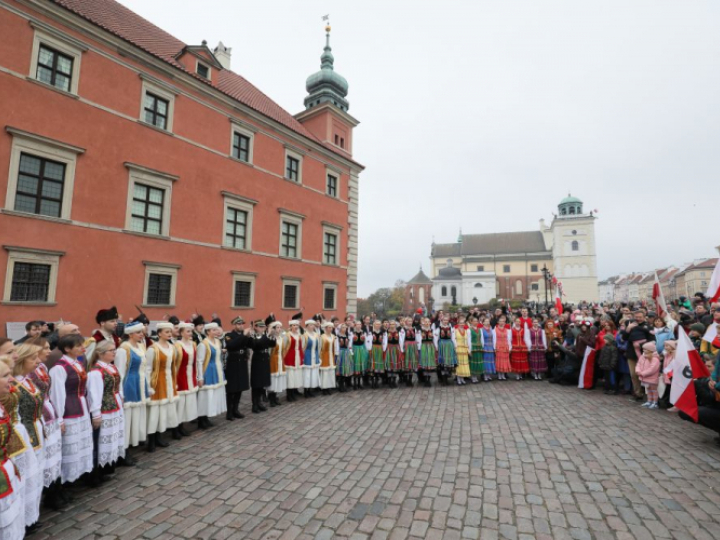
<point x="238" y="202"/>
<point x="333" y="172"/>
<point x="242" y="130"/>
<point x="142" y="175"/>
<point x="243" y="276"/>
<point x="33" y="256"/>
<point x="290" y="152"/>
<point x="163" y="91"/>
<point x="330" y="285"/>
<point x="42" y="147"/>
<point x="336" y="230"/>
<point x="54" y="39"/>
<point x="291" y="281"/>
<point x="295" y="219"/>
<point x="165" y="269"/>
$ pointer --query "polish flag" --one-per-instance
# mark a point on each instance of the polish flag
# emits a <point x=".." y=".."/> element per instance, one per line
<point x="686" y="367"/>
<point x="558" y="299"/>
<point x="659" y="297"/>
<point x="587" y="371"/>
<point x="713" y="292"/>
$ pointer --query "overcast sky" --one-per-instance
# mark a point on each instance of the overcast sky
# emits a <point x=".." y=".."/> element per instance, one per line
<point x="484" y="114"/>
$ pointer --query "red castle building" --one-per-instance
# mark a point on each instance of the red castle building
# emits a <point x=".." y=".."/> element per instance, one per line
<point x="139" y="170"/>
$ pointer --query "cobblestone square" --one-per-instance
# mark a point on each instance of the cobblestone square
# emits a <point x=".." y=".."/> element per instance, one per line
<point x="511" y="460"/>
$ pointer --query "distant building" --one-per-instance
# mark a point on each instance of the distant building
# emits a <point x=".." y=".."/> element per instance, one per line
<point x="417" y="293"/>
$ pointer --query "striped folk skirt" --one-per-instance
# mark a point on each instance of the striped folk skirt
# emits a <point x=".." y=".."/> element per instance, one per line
<point x="360" y="359"/>
<point x="376" y="362"/>
<point x="489" y="362"/>
<point x="519" y="361"/>
<point x="410" y="362"/>
<point x="428" y="358"/>
<point x="446" y="353"/>
<point x="345" y="366"/>
<point x="393" y="358"/>
<point x="502" y="361"/>
<point x="476" y="363"/>
<point x="538" y="362"/>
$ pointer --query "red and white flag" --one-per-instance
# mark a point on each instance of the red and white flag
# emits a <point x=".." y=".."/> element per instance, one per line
<point x="686" y="367"/>
<point x="713" y="292"/>
<point x="659" y="297"/>
<point x="558" y="298"/>
<point x="587" y="370"/>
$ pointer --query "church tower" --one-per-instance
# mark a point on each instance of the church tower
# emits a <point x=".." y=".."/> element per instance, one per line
<point x="326" y="106"/>
<point x="573" y="250"/>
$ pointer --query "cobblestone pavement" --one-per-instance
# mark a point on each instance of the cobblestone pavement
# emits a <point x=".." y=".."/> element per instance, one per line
<point x="503" y="460"/>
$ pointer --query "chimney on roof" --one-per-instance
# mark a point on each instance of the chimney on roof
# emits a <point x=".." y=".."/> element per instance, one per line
<point x="223" y="54"/>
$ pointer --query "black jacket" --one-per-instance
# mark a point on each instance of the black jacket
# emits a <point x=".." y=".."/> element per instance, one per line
<point x="238" y="347"/>
<point x="641" y="332"/>
<point x="262" y="347"/>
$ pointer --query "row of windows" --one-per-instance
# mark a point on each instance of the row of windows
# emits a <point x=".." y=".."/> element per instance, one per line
<point x="60" y="69"/>
<point x="518" y="287"/>
<point x="506" y="268"/>
<point x="43" y="186"/>
<point x="34" y="282"/>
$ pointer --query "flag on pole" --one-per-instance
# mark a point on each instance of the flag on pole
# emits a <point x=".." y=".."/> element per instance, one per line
<point x="659" y="297"/>
<point x="713" y="292"/>
<point x="686" y="367"/>
<point x="558" y="298"/>
<point x="587" y="370"/>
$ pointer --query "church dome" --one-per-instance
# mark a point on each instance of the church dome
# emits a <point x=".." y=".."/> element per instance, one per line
<point x="327" y="85"/>
<point x="571" y="200"/>
<point x="570" y="206"/>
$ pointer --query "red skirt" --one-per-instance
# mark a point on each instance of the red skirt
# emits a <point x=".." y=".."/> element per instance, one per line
<point x="519" y="361"/>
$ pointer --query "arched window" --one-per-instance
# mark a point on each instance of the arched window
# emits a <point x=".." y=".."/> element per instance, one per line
<point x="421" y="295"/>
<point x="518" y="287"/>
<point x="572" y="209"/>
<point x="453" y="291"/>
<point x="478" y="285"/>
<point x="563" y="212"/>
<point x="575" y="246"/>
<point x="411" y="294"/>
<point x="443" y="291"/>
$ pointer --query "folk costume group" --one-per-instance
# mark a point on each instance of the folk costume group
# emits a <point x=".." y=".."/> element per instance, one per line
<point x="74" y="411"/>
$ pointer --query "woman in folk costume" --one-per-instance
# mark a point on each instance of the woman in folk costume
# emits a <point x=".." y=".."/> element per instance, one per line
<point x="376" y="361"/>
<point x="329" y="350"/>
<point x="410" y="348"/>
<point x="106" y="409"/>
<point x="278" y="377"/>
<point x="311" y="360"/>
<point x="29" y="411"/>
<point x="53" y="438"/>
<point x="503" y="346"/>
<point x="162" y="376"/>
<point x="462" y="341"/>
<point x="476" y="357"/>
<point x="428" y="352"/>
<point x="293" y="353"/>
<point x="187" y="377"/>
<point x="519" y="350"/>
<point x="487" y="342"/>
<point x="553" y="333"/>
<point x="12" y="486"/>
<point x="345" y="364"/>
<point x="361" y="345"/>
<point x="211" y="397"/>
<point x="393" y="354"/>
<point x="446" y="350"/>
<point x="536" y="342"/>
<point x="130" y="362"/>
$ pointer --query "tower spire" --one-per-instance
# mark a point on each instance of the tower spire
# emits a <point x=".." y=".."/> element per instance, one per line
<point x="327" y="85"/>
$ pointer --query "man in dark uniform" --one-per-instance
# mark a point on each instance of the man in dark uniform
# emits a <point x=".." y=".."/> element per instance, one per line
<point x="238" y="344"/>
<point x="199" y="324"/>
<point x="262" y="347"/>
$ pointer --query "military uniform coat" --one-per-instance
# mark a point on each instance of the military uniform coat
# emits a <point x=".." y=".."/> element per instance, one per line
<point x="260" y="365"/>
<point x="238" y="348"/>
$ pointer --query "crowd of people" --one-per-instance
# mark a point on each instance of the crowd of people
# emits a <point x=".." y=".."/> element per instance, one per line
<point x="72" y="407"/>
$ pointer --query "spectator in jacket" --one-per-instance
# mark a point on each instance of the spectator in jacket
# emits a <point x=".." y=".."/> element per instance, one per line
<point x="648" y="371"/>
<point x="711" y="347"/>
<point x="32" y="330"/>
<point x="636" y="333"/>
<point x="662" y="334"/>
<point x="608" y="362"/>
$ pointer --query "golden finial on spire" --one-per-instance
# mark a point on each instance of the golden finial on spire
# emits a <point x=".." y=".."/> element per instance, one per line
<point x="326" y="18"/>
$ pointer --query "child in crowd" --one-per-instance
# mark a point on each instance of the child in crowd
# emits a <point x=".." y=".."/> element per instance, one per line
<point x="648" y="370"/>
<point x="608" y="362"/>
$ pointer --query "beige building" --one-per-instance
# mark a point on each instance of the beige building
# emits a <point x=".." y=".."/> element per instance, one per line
<point x="693" y="279"/>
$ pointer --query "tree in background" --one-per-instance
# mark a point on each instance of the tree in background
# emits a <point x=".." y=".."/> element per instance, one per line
<point x="386" y="302"/>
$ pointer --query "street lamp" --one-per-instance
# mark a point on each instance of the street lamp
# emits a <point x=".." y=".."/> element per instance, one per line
<point x="547" y="278"/>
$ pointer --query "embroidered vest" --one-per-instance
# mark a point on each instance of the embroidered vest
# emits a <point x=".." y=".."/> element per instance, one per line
<point x="15" y="444"/>
<point x="74" y="388"/>
<point x="41" y="378"/>
<point x="393" y="338"/>
<point x="427" y="336"/>
<point x="343" y="341"/>
<point x="30" y="407"/>
<point x="358" y="340"/>
<point x="6" y="433"/>
<point x="445" y="332"/>
<point x="111" y="388"/>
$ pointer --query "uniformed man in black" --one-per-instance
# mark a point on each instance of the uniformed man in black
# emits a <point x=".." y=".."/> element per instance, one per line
<point x="262" y="347"/>
<point x="238" y="344"/>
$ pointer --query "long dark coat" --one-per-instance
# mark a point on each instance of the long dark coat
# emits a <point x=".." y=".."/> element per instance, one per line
<point x="260" y="364"/>
<point x="236" y="370"/>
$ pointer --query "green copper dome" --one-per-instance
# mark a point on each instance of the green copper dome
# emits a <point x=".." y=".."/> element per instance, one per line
<point x="571" y="200"/>
<point x="570" y="206"/>
<point x="327" y="86"/>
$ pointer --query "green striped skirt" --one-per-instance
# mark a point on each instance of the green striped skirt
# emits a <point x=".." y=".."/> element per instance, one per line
<point x="476" y="363"/>
<point x="446" y="353"/>
<point x="376" y="362"/>
<point x="428" y="359"/>
<point x="411" y="358"/>
<point x="393" y="358"/>
<point x="345" y="366"/>
<point x="360" y="359"/>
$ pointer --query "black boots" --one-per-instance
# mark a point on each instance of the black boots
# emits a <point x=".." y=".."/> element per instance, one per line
<point x="273" y="398"/>
<point x="176" y="434"/>
<point x="257" y="405"/>
<point x="229" y="407"/>
<point x="181" y="430"/>
<point x="232" y="402"/>
<point x="52" y="499"/>
<point x="204" y="422"/>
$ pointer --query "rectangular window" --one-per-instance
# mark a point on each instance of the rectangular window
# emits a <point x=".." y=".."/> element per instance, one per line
<point x="290" y="296"/>
<point x="243" y="294"/>
<point x="330" y="250"/>
<point x="506" y="268"/>
<point x="54" y="68"/>
<point x="329" y="298"/>
<point x="241" y="147"/>
<point x="156" y="110"/>
<point x="40" y="185"/>
<point x="480" y="268"/>
<point x="535" y="287"/>
<point x="289" y="240"/>
<point x="332" y="185"/>
<point x="159" y="291"/>
<point x="147" y="209"/>
<point x="30" y="282"/>
<point x="337" y="140"/>
<point x="203" y="71"/>
<point x="342" y="142"/>
<point x="292" y="169"/>
<point x="533" y="267"/>
<point x="236" y="228"/>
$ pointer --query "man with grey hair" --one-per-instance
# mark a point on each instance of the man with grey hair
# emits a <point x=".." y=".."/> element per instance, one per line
<point x="64" y="329"/>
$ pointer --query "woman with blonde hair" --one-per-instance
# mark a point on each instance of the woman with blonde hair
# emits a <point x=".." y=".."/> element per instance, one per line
<point x="106" y="409"/>
<point x="12" y="510"/>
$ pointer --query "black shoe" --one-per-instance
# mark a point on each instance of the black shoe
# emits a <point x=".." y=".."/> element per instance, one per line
<point x="262" y="407"/>
<point x="238" y="414"/>
<point x="159" y="442"/>
<point x="182" y="431"/>
<point x="176" y="434"/>
<point x="127" y="461"/>
<point x="150" y="446"/>
<point x="32" y="529"/>
<point x="229" y="416"/>
<point x="255" y="409"/>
